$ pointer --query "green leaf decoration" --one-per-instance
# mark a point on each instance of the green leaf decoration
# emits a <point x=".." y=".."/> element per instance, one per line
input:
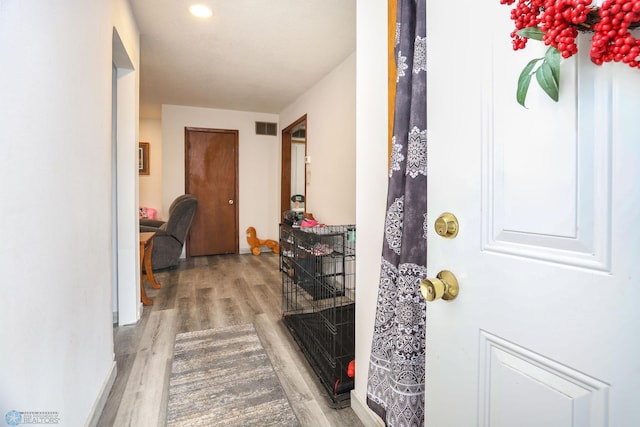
<point x="553" y="57"/>
<point x="531" y="33"/>
<point x="546" y="80"/>
<point x="547" y="69"/>
<point x="524" y="80"/>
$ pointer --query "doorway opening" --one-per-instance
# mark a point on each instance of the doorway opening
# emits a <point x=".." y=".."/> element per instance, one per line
<point x="293" y="186"/>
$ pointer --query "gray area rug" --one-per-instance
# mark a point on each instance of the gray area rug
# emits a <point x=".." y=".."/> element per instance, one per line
<point x="223" y="377"/>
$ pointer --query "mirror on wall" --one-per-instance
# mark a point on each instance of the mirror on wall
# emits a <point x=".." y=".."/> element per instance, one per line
<point x="294" y="150"/>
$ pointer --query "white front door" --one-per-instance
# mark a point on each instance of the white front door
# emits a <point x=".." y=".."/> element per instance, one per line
<point x="545" y="330"/>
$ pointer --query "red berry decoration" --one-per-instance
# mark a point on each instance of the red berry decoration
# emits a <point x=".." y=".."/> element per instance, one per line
<point x="557" y="23"/>
<point x="612" y="40"/>
<point x="526" y="14"/>
<point x="560" y="20"/>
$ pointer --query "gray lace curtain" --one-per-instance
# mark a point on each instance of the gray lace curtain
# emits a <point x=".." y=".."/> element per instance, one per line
<point x="395" y="387"/>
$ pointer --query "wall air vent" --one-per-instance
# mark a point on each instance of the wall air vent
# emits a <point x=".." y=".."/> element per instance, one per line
<point x="266" y="128"/>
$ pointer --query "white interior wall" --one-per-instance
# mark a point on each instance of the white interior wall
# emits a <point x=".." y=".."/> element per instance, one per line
<point x="151" y="185"/>
<point x="55" y="219"/>
<point x="371" y="180"/>
<point x="330" y="107"/>
<point x="259" y="173"/>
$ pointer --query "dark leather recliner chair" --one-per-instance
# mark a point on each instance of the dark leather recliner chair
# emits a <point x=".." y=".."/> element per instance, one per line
<point x="171" y="234"/>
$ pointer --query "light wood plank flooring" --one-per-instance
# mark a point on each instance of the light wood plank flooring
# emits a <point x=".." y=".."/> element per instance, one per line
<point x="203" y="293"/>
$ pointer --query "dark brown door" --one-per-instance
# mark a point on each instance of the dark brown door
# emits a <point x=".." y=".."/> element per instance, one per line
<point x="211" y="167"/>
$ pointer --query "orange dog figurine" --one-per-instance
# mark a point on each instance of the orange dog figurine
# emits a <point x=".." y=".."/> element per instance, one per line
<point x="255" y="243"/>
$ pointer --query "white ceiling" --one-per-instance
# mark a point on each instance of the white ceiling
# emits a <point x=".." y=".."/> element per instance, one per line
<point x="251" y="55"/>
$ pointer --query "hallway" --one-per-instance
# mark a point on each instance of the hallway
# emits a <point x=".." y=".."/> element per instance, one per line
<point x="203" y="293"/>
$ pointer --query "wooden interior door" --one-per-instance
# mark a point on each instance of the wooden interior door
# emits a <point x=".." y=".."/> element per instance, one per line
<point x="211" y="168"/>
<point x="544" y="329"/>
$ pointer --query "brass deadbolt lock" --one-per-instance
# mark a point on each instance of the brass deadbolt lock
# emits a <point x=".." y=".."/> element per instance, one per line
<point x="447" y="225"/>
<point x="444" y="286"/>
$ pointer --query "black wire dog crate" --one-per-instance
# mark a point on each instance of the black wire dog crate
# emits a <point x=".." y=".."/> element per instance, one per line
<point x="318" y="300"/>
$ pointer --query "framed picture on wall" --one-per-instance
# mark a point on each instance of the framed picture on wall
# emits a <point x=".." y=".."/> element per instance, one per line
<point x="143" y="158"/>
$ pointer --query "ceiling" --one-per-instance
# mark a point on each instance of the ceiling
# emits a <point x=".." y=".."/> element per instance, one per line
<point x="251" y="55"/>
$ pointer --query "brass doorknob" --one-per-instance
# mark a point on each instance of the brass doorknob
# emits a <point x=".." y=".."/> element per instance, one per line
<point x="444" y="286"/>
<point x="230" y="202"/>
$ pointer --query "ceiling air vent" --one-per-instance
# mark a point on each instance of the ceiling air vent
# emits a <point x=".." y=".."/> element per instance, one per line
<point x="266" y="128"/>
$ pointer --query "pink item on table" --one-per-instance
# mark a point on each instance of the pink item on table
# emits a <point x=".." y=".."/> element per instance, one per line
<point x="151" y="213"/>
<point x="147" y="213"/>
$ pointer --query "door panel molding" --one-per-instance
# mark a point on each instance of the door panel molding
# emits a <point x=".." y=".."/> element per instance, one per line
<point x="561" y="175"/>
<point x="520" y="387"/>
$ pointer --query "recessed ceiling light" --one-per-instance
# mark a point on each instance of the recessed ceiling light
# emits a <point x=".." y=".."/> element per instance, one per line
<point x="200" y="10"/>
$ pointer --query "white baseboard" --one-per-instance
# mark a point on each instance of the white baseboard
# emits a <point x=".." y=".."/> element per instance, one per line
<point x="366" y="415"/>
<point x="98" y="405"/>
<point x="140" y="309"/>
<point x="244" y="251"/>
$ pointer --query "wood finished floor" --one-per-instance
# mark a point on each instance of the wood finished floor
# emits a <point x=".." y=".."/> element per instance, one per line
<point x="203" y="293"/>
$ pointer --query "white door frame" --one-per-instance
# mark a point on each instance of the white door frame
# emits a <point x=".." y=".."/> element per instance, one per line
<point x="128" y="248"/>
